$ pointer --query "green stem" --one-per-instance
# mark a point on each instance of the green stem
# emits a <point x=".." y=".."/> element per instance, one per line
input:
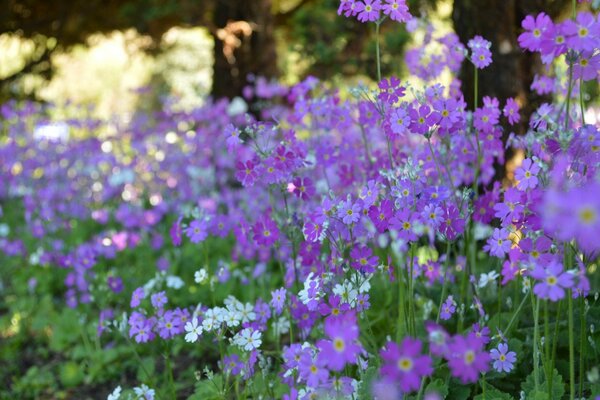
<point x="401" y="324"/>
<point x="377" y="50"/>
<point x="554" y="345"/>
<point x="536" y="335"/>
<point x="571" y="349"/>
<point x="581" y="102"/>
<point x="581" y="343"/>
<point x="514" y="317"/>
<point x="547" y="348"/>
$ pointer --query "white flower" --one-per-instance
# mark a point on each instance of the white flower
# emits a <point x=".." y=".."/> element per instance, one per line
<point x="193" y="330"/>
<point x="115" y="395"/>
<point x="174" y="282"/>
<point x="233" y="318"/>
<point x="281" y="326"/>
<point x="346" y="292"/>
<point x="210" y="320"/>
<point x="484" y="279"/>
<point x="200" y="276"/>
<point x="144" y="392"/>
<point x="248" y="339"/>
<point x="246" y="311"/>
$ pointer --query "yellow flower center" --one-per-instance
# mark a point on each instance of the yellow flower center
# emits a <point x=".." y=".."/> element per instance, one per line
<point x="405" y="364"/>
<point x="339" y="345"/>
<point x="469" y="357"/>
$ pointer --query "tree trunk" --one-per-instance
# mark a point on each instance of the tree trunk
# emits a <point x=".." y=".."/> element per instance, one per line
<point x="513" y="69"/>
<point x="252" y="23"/>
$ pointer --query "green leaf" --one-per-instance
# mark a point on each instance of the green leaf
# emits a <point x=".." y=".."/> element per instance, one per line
<point x="364" y="391"/>
<point x="491" y="393"/>
<point x="459" y="392"/>
<point x="208" y="389"/>
<point x="558" y="387"/>
<point x="437" y="386"/>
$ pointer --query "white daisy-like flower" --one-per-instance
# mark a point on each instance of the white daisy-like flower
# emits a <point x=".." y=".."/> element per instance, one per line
<point x="246" y="311"/>
<point x="232" y="319"/>
<point x="193" y="330"/>
<point x="115" y="395"/>
<point x="201" y="276"/>
<point x="485" y="279"/>
<point x="248" y="339"/>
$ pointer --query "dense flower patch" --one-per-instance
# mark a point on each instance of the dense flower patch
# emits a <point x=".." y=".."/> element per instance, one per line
<point x="339" y="246"/>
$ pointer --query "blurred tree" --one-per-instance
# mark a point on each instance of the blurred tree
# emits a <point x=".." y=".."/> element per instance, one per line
<point x="513" y="69"/>
<point x="243" y="33"/>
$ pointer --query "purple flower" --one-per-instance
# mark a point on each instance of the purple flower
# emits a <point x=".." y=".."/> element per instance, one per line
<point x="265" y="231"/>
<point x="158" y="300"/>
<point x="448" y="308"/>
<point x="137" y="296"/>
<point x="404" y="222"/>
<point x="342" y="346"/>
<point x="397" y="10"/>
<point x="313" y="370"/>
<point x="482" y="333"/>
<point x="481" y="55"/>
<point x="503" y="359"/>
<point x="348" y="212"/>
<point x="390" y="90"/>
<point x="197" y="231"/>
<point x="405" y="364"/>
<point x="526" y="174"/>
<point x="499" y="244"/>
<point x="467" y="358"/>
<point x="422" y="119"/>
<point x="115" y="284"/>
<point x="175" y="232"/>
<point x="368" y="10"/>
<point x="552" y="281"/>
<point x="278" y="300"/>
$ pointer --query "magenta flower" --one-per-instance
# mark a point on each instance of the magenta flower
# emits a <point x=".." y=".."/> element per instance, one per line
<point x="334" y="308"/>
<point x="467" y="358"/>
<point x="303" y="188"/>
<point x="503" y="359"/>
<point x="422" y="119"/>
<point x="511" y="111"/>
<point x="531" y="39"/>
<point x="397" y="10"/>
<point x="381" y="215"/>
<point x="526" y="174"/>
<point x="551" y="281"/>
<point x="405" y="364"/>
<point x="342" y="347"/>
<point x="265" y="231"/>
<point x="247" y="172"/>
<point x="363" y="259"/>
